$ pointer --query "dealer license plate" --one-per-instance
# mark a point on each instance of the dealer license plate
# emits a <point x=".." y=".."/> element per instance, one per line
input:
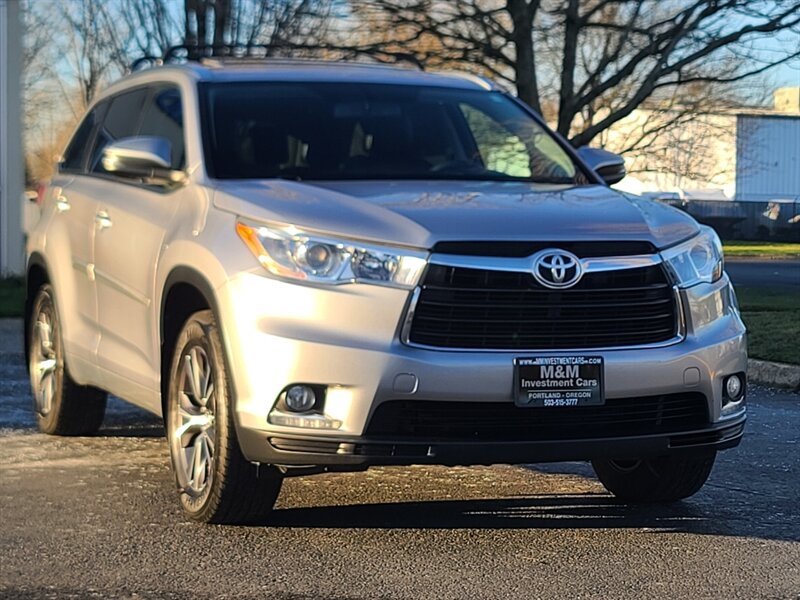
<point x="552" y="381"/>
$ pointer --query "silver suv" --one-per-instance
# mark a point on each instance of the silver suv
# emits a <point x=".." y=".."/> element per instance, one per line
<point x="310" y="267"/>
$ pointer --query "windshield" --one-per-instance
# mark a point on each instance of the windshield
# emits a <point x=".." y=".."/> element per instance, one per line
<point x="327" y="131"/>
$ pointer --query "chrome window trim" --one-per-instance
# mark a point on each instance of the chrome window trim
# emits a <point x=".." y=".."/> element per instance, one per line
<point x="524" y="265"/>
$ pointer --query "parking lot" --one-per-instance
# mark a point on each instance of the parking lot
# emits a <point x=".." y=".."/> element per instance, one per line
<point x="97" y="517"/>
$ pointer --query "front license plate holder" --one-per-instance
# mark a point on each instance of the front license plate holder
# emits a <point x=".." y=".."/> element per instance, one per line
<point x="558" y="381"/>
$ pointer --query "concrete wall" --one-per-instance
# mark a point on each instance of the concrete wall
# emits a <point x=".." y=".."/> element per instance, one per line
<point x="699" y="154"/>
<point x="787" y="99"/>
<point x="12" y="173"/>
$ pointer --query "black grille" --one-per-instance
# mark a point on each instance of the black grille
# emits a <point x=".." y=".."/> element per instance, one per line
<point x="493" y="421"/>
<point x="502" y="310"/>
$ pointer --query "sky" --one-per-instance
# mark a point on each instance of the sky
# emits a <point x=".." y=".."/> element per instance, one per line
<point x="781" y="76"/>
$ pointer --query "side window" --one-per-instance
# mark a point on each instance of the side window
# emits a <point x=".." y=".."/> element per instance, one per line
<point x="121" y="120"/>
<point x="163" y="116"/>
<point x="75" y="155"/>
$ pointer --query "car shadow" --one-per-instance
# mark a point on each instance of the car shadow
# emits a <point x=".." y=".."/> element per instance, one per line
<point x="567" y="511"/>
<point x="125" y="420"/>
<point x="133" y="430"/>
<point x="529" y="512"/>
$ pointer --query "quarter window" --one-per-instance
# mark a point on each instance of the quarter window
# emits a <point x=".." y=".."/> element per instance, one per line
<point x="121" y="121"/>
<point x="163" y="117"/>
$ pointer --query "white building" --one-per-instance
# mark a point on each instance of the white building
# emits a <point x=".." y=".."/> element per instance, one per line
<point x="12" y="171"/>
<point x="746" y="154"/>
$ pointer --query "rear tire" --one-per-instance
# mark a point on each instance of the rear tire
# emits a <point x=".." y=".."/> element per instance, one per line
<point x="662" y="479"/>
<point x="216" y="484"/>
<point x="62" y="407"/>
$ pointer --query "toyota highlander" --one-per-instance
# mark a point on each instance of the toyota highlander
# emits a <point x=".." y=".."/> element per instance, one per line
<point x="307" y="267"/>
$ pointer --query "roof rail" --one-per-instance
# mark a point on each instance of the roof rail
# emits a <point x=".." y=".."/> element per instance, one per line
<point x="480" y="80"/>
<point x="219" y="55"/>
<point x="145" y="62"/>
<point x="187" y="52"/>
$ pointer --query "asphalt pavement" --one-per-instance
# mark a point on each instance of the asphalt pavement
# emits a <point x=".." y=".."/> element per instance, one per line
<point x="97" y="517"/>
<point x="754" y="272"/>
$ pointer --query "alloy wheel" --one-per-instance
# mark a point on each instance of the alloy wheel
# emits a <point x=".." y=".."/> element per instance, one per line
<point x="44" y="360"/>
<point x="192" y="422"/>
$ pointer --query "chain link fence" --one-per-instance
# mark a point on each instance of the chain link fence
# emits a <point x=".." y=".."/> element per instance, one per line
<point x="775" y="220"/>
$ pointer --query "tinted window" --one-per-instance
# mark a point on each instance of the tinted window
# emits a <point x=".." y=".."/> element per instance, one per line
<point x="75" y="154"/>
<point x="163" y="116"/>
<point x="122" y="120"/>
<point x="366" y="131"/>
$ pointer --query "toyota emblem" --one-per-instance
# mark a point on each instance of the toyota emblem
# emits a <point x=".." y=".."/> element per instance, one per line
<point x="556" y="269"/>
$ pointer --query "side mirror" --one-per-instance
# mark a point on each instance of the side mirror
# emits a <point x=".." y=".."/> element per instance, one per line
<point x="142" y="157"/>
<point x="609" y="166"/>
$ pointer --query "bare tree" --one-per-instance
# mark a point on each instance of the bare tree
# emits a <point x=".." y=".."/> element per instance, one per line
<point x="677" y="148"/>
<point x="277" y="25"/>
<point x="37" y="95"/>
<point x="73" y="48"/>
<point x="587" y="64"/>
<point x="96" y="46"/>
<point x="152" y="25"/>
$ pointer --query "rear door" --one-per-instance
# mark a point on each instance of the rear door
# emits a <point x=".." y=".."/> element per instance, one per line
<point x="69" y="246"/>
<point x="131" y="229"/>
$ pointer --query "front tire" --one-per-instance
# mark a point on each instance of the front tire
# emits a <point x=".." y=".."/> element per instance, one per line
<point x="662" y="479"/>
<point x="62" y="407"/>
<point x="216" y="484"/>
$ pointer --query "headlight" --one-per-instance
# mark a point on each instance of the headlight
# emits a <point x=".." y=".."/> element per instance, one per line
<point x="697" y="261"/>
<point x="288" y="252"/>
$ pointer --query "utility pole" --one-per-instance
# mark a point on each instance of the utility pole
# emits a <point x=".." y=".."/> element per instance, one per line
<point x="12" y="169"/>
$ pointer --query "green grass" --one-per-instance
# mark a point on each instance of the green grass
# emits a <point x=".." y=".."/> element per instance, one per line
<point x="772" y="317"/>
<point x="767" y="299"/>
<point x="12" y="297"/>
<point x="761" y="249"/>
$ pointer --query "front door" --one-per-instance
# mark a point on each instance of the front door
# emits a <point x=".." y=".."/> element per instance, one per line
<point x="131" y="225"/>
<point x="130" y="231"/>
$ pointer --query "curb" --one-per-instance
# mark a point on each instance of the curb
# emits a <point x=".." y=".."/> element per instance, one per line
<point x="774" y="374"/>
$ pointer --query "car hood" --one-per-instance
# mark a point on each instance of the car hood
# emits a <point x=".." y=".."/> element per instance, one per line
<point x="419" y="214"/>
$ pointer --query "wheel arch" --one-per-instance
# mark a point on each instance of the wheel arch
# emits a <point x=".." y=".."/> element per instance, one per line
<point x="185" y="292"/>
<point x="36" y="275"/>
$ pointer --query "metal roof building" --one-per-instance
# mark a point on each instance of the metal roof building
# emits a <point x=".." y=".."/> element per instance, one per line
<point x="768" y="157"/>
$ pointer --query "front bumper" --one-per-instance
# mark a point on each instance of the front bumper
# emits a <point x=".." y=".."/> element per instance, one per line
<point x="311" y="450"/>
<point x="347" y="339"/>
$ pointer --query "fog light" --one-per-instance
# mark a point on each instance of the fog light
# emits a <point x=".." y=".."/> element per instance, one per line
<point x="734" y="387"/>
<point x="300" y="398"/>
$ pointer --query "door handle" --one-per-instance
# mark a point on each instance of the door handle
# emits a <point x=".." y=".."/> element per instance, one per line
<point x="62" y="204"/>
<point x="102" y="220"/>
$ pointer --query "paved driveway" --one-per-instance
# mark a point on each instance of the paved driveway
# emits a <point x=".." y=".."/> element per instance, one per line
<point x="97" y="517"/>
